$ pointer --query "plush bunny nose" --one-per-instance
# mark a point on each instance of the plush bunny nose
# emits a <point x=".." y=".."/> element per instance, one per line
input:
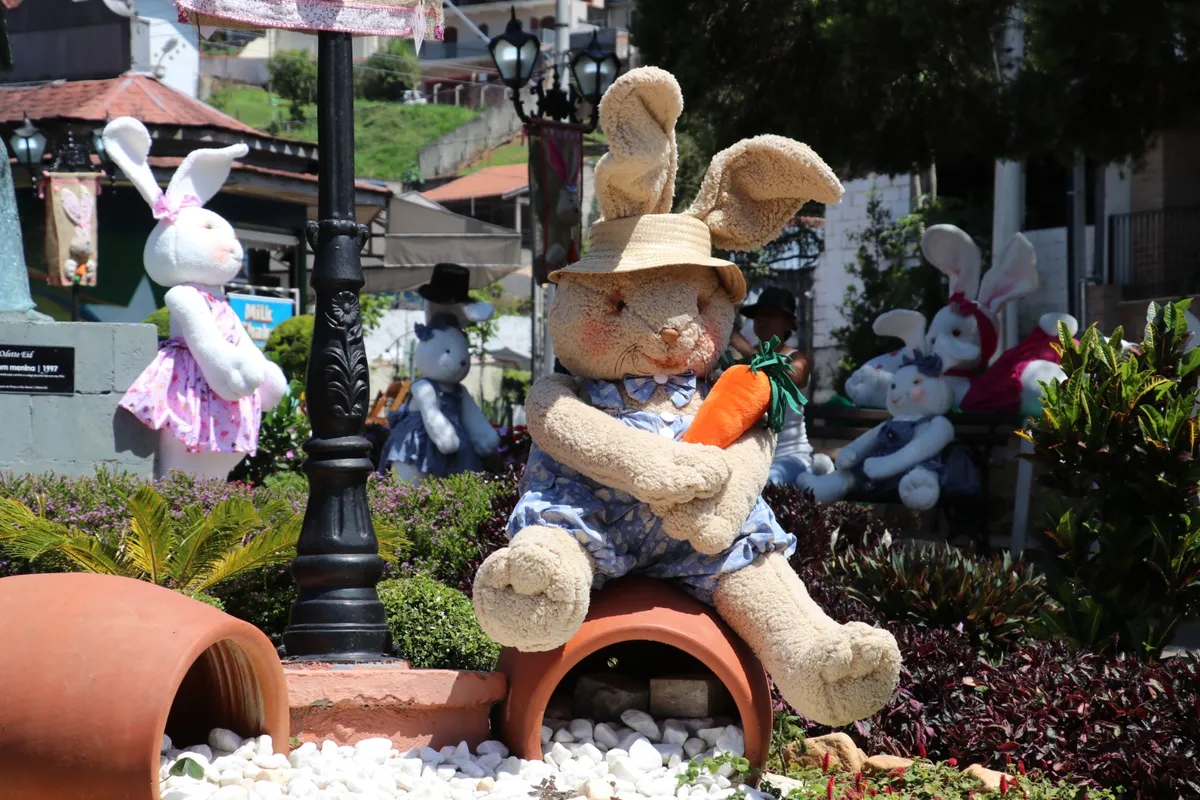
<point x="668" y="335"/>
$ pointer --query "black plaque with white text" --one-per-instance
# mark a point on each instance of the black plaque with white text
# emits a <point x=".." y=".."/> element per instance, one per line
<point x="32" y="369"/>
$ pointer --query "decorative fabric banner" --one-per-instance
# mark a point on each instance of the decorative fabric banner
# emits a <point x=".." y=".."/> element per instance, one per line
<point x="408" y="18"/>
<point x="555" y="172"/>
<point x="71" y="228"/>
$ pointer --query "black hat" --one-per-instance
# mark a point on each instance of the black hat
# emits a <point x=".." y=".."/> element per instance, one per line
<point x="774" y="298"/>
<point x="451" y="283"/>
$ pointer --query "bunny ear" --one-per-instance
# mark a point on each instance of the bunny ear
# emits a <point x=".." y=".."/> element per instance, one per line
<point x="956" y="255"/>
<point x="1014" y="277"/>
<point x="86" y="204"/>
<point x="906" y="325"/>
<point x="203" y="172"/>
<point x="70" y="207"/>
<point x="127" y="143"/>
<point x="753" y="189"/>
<point x="638" y="115"/>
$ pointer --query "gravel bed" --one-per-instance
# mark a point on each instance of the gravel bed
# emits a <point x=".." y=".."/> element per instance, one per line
<point x="638" y="759"/>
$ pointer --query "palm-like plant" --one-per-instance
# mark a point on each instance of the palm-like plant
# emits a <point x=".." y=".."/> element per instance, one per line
<point x="190" y="552"/>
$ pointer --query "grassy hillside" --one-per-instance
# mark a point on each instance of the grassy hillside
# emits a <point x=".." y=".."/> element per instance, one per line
<point x="387" y="135"/>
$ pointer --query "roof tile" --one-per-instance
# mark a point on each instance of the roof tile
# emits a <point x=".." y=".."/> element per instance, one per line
<point x="488" y="182"/>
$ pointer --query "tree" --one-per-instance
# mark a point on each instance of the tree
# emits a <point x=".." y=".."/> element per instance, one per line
<point x="294" y="78"/>
<point x="389" y="72"/>
<point x="885" y="85"/>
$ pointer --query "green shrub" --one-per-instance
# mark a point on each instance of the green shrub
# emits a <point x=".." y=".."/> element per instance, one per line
<point x="434" y="626"/>
<point x="389" y="73"/>
<point x="996" y="601"/>
<point x="161" y="319"/>
<point x="294" y="77"/>
<point x="281" y="437"/>
<point x="289" y="345"/>
<point x="1121" y="448"/>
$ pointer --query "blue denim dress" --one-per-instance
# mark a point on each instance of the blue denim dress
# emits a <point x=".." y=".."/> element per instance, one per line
<point x="957" y="473"/>
<point x="409" y="442"/>
<point x="621" y="533"/>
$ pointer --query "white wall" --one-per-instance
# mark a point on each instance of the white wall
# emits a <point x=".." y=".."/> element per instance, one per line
<point x="181" y="66"/>
<point x="831" y="280"/>
<point x="1050" y="244"/>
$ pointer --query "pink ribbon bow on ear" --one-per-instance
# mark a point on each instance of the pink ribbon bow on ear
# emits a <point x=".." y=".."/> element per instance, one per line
<point x="167" y="206"/>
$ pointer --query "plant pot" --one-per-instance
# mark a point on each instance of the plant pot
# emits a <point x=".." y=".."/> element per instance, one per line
<point x="631" y="610"/>
<point x="96" y="669"/>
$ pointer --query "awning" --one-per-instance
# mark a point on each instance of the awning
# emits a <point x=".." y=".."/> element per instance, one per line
<point x="422" y="233"/>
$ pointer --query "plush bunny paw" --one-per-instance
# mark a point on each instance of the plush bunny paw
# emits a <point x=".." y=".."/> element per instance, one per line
<point x="920" y="489"/>
<point x="843" y="675"/>
<point x="708" y="525"/>
<point x="533" y="595"/>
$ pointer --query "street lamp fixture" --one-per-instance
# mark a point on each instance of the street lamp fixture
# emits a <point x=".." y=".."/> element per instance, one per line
<point x="516" y="53"/>
<point x="28" y="144"/>
<point x="594" y="70"/>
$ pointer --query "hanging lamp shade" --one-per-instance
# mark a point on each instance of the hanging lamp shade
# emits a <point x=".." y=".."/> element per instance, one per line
<point x="421" y="20"/>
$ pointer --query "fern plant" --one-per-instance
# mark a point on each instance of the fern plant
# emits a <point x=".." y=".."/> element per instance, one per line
<point x="190" y="551"/>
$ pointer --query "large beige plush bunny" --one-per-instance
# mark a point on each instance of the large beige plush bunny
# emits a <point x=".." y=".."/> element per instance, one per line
<point x="610" y="489"/>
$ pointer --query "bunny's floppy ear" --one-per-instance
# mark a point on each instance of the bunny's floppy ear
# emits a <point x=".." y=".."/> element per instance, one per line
<point x="71" y="207"/>
<point x="203" y="172"/>
<point x="127" y="143"/>
<point x="906" y="325"/>
<point x="753" y="189"/>
<point x="956" y="256"/>
<point x="638" y="114"/>
<point x="1014" y="277"/>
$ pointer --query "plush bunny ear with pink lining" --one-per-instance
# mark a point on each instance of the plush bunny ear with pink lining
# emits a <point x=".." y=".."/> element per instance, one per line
<point x="1014" y="277"/>
<point x="906" y="325"/>
<point x="956" y="256"/>
<point x="204" y="172"/>
<point x="127" y="143"/>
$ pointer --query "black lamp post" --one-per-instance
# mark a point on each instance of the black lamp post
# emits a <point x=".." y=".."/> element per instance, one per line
<point x="28" y="145"/>
<point x="517" y="55"/>
<point x="337" y="615"/>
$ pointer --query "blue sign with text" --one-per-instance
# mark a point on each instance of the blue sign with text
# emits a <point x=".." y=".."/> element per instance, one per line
<point x="261" y="315"/>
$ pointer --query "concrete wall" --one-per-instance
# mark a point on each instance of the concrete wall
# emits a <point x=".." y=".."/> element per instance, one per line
<point x="180" y="66"/>
<point x="831" y="280"/>
<point x="1050" y="244"/>
<point x="72" y="435"/>
<point x="492" y="128"/>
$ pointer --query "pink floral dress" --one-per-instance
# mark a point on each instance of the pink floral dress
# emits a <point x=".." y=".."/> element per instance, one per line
<point x="172" y="394"/>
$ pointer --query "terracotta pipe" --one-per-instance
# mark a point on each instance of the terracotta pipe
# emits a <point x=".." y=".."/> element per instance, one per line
<point x="95" y="669"/>
<point x="638" y="609"/>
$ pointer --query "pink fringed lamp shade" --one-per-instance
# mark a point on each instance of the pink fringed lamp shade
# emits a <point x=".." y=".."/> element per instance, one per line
<point x="419" y="19"/>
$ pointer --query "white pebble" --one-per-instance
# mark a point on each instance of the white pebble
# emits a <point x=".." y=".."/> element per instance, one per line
<point x="373" y="751"/>
<point x="267" y="790"/>
<point x="643" y="723"/>
<point x="230" y="793"/>
<point x="630" y="738"/>
<point x="605" y="736"/>
<point x="731" y="740"/>
<point x="563" y="735"/>
<point x="547" y="734"/>
<point x="581" y="729"/>
<point x="202" y="750"/>
<point x="625" y="769"/>
<point x="491" y="746"/>
<point x="224" y="740"/>
<point x="594" y="789"/>
<point x="559" y="753"/>
<point x="591" y="753"/>
<point x="166" y="744"/>
<point x="643" y="754"/>
<point x="666" y="751"/>
<point x="674" y="732"/>
<point x="264" y="746"/>
<point x="694" y="747"/>
<point x="709" y="735"/>
<point x="431" y="756"/>
<point x="614" y="754"/>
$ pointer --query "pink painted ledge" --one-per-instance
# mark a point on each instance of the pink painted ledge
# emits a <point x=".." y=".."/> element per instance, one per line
<point x="412" y="707"/>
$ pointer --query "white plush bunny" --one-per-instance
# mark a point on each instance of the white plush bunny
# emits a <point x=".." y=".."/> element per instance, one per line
<point x="439" y="430"/>
<point x="79" y="209"/>
<point x="208" y="386"/>
<point x="966" y="329"/>
<point x="906" y="452"/>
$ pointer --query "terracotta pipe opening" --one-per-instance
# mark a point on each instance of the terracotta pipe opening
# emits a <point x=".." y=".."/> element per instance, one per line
<point x="641" y="661"/>
<point x="220" y="690"/>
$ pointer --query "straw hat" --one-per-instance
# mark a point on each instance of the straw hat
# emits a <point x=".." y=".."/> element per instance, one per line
<point x="750" y="191"/>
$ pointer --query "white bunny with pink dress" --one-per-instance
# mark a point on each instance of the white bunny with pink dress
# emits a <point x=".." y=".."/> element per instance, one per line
<point x="208" y="386"/>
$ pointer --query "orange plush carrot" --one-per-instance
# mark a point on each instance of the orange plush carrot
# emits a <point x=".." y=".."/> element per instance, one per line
<point x="745" y="392"/>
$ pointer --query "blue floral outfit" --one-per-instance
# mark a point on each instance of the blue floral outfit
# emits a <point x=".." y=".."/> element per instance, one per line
<point x="957" y="474"/>
<point x="409" y="442"/>
<point x="622" y="534"/>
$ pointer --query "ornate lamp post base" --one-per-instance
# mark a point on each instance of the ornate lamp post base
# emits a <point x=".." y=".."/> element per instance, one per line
<point x="337" y="616"/>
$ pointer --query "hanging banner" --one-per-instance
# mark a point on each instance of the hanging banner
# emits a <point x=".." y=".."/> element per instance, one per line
<point x="261" y="315"/>
<point x="71" y="228"/>
<point x="417" y="19"/>
<point x="555" y="173"/>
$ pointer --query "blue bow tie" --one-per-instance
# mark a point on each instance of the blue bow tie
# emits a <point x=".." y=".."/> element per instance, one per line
<point x="679" y="388"/>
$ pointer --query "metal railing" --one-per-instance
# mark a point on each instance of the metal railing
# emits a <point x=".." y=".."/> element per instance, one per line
<point x="1155" y="253"/>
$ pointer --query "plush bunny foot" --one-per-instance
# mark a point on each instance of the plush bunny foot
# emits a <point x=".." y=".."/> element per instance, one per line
<point x="828" y="488"/>
<point x="833" y="674"/>
<point x="533" y="595"/>
<point x="822" y="464"/>
<point x="920" y="489"/>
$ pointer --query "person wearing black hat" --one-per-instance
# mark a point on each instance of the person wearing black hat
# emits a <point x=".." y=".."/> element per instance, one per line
<point x="774" y="314"/>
